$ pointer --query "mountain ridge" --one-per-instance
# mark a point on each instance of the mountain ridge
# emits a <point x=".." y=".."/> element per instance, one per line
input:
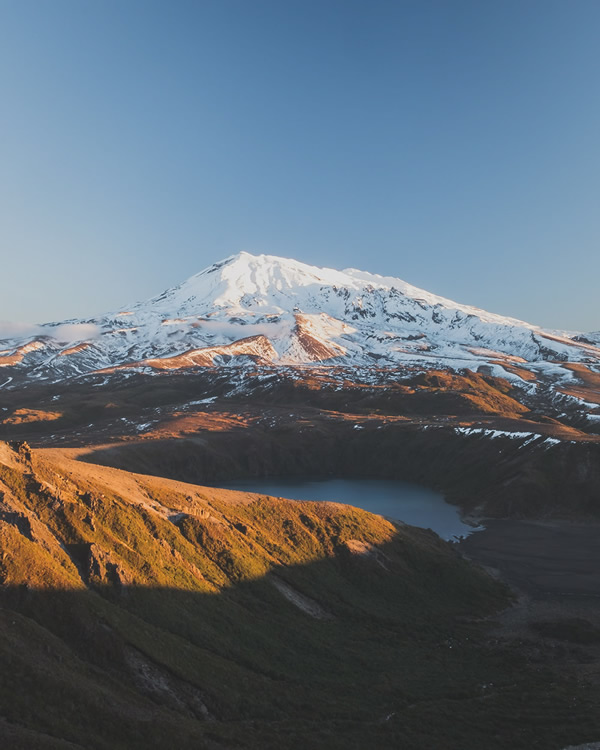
<point x="306" y="314"/>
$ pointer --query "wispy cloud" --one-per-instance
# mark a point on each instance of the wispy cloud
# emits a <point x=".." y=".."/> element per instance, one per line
<point x="14" y="329"/>
<point x="65" y="333"/>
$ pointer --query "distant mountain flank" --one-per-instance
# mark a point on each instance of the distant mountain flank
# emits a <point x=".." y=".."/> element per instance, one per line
<point x="274" y="311"/>
<point x="592" y="338"/>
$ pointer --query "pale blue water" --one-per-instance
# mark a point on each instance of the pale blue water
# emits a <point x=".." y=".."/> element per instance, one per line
<point x="400" y="501"/>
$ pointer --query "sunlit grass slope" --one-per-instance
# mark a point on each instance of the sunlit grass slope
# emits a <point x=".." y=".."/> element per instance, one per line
<point x="138" y="612"/>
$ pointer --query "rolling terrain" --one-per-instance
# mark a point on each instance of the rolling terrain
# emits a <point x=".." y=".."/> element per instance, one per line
<point x="262" y="351"/>
<point x="141" y="606"/>
<point x="144" y="612"/>
<point x="491" y="448"/>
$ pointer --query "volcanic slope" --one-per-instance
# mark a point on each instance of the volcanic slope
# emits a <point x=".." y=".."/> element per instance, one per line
<point x="144" y="613"/>
<point x="269" y="310"/>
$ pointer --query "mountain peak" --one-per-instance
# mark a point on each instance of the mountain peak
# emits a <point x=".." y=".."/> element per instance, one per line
<point x="300" y="314"/>
<point x="243" y="281"/>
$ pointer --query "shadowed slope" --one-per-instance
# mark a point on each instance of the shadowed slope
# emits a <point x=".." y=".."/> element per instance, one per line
<point x="138" y="612"/>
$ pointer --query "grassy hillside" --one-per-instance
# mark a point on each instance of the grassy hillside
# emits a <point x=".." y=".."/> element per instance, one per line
<point x="138" y="612"/>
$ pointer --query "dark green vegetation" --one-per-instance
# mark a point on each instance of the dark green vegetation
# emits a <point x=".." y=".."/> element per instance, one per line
<point x="141" y="613"/>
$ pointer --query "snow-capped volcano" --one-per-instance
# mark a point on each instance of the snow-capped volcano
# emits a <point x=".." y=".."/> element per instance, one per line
<point x="280" y="311"/>
<point x="269" y="284"/>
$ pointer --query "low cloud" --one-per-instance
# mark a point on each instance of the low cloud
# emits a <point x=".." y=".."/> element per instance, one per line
<point x="65" y="333"/>
<point x="68" y="333"/>
<point x="14" y="329"/>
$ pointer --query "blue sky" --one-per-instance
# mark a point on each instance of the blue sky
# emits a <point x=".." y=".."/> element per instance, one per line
<point x="454" y="144"/>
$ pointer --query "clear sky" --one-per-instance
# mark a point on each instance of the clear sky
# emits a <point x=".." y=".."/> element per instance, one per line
<point x="452" y="143"/>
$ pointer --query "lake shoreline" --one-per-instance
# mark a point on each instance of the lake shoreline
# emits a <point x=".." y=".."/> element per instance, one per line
<point x="397" y="501"/>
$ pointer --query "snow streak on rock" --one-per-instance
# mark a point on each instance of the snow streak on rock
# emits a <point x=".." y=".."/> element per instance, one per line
<point x="274" y="310"/>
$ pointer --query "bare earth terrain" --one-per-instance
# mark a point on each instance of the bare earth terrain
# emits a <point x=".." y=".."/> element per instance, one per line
<point x="554" y="569"/>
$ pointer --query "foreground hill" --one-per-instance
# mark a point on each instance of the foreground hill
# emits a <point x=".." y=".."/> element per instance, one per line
<point x="143" y="612"/>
